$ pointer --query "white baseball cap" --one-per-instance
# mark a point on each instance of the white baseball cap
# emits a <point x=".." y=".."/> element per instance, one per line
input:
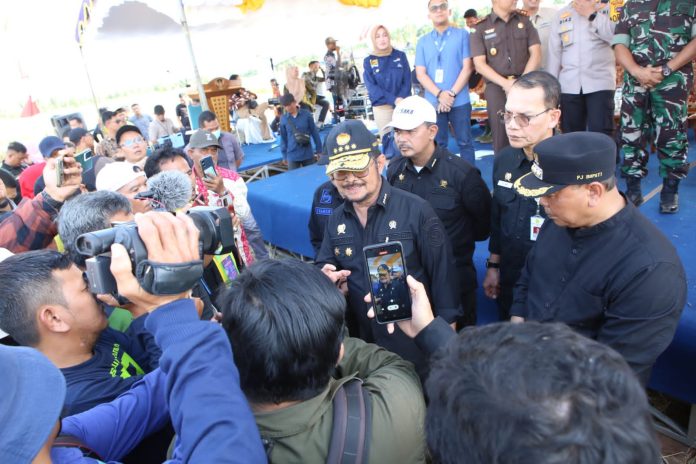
<point x="113" y="176"/>
<point x="411" y="112"/>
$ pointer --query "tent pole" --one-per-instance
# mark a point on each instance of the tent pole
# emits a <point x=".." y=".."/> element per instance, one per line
<point x="89" y="81"/>
<point x="199" y="84"/>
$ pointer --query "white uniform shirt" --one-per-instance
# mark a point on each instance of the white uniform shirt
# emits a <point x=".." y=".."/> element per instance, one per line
<point x="580" y="54"/>
<point x="542" y="20"/>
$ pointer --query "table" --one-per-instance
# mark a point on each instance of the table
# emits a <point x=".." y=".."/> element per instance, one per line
<point x="281" y="206"/>
<point x="259" y="159"/>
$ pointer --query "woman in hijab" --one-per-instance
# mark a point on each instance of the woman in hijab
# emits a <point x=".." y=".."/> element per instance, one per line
<point x="295" y="85"/>
<point x="387" y="76"/>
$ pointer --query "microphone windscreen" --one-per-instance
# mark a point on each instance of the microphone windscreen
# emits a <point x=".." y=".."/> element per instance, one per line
<point x="171" y="190"/>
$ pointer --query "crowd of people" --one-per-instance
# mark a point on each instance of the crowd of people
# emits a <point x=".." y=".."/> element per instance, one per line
<point x="131" y="334"/>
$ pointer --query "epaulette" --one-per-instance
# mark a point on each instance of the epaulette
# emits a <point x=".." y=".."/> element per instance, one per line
<point x="480" y="20"/>
<point x="523" y="12"/>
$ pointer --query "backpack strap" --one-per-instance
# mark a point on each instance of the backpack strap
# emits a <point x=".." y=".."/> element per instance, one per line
<point x="352" y="424"/>
<point x="68" y="441"/>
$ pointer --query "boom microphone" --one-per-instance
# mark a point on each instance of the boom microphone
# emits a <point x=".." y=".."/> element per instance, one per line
<point x="169" y="190"/>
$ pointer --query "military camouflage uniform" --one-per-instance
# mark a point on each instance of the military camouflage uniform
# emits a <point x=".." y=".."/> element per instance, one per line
<point x="654" y="31"/>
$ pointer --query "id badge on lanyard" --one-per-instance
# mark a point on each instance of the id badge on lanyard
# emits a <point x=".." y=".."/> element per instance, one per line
<point x="440" y="72"/>
<point x="535" y="223"/>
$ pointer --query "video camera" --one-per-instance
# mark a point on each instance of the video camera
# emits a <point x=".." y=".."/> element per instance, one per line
<point x="216" y="236"/>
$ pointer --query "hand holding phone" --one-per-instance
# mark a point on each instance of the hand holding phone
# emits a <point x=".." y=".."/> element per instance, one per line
<point x="422" y="313"/>
<point x="390" y="293"/>
<point x="208" y="167"/>
<point x="62" y="177"/>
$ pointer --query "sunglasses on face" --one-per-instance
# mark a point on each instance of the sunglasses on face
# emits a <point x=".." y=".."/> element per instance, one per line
<point x="441" y="7"/>
<point x="131" y="142"/>
<point x="343" y="175"/>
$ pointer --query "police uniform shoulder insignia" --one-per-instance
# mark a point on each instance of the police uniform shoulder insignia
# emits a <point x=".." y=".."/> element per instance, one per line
<point x="341" y="229"/>
<point x="392" y="224"/>
<point x="508" y="176"/>
<point x="349" y="252"/>
<point x="489" y="31"/>
<point x="443" y="184"/>
<point x="480" y="20"/>
<point x="401" y="177"/>
<point x="522" y="12"/>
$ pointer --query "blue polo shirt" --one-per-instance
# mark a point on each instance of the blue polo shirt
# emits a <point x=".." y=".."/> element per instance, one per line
<point x="445" y="51"/>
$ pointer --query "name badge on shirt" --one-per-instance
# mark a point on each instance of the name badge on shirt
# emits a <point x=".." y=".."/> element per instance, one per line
<point x="439" y="76"/>
<point x="535" y="223"/>
<point x="505" y="184"/>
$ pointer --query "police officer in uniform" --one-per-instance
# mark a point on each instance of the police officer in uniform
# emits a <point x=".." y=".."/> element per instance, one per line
<point x="654" y="43"/>
<point x="452" y="186"/>
<point x="581" y="58"/>
<point x="599" y="265"/>
<point x="375" y="212"/>
<point x="504" y="46"/>
<point x="531" y="115"/>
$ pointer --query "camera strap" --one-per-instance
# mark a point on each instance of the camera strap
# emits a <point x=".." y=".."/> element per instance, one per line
<point x="168" y="278"/>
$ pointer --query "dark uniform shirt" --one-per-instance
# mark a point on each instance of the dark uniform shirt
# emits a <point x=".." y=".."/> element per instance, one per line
<point x="505" y="44"/>
<point x="326" y="200"/>
<point x="510" y="214"/>
<point x="397" y="216"/>
<point x="460" y="198"/>
<point x="619" y="282"/>
<point x="395" y="292"/>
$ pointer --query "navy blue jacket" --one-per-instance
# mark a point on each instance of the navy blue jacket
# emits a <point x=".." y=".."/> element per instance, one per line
<point x="304" y="122"/>
<point x="196" y="385"/>
<point x="387" y="77"/>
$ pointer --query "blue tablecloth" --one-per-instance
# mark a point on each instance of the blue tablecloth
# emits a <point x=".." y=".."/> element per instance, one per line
<point x="259" y="155"/>
<point x="281" y="206"/>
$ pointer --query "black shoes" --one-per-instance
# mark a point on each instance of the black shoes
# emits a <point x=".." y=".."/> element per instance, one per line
<point x="633" y="192"/>
<point x="669" y="198"/>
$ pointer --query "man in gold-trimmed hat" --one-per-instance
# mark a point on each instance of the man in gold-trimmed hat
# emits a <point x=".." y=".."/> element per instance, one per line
<point x="598" y="265"/>
<point x="375" y="212"/>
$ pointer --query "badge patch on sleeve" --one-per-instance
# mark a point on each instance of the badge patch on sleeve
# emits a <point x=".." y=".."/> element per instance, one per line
<point x="434" y="232"/>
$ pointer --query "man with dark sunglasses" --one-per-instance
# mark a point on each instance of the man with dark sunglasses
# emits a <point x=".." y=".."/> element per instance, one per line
<point x="531" y="114"/>
<point x="375" y="212"/>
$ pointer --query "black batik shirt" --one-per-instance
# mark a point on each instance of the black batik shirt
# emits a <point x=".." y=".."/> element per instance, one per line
<point x="619" y="282"/>
<point x="510" y="214"/>
<point x="460" y="198"/>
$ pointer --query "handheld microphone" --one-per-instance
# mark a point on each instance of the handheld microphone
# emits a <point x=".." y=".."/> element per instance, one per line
<point x="169" y="190"/>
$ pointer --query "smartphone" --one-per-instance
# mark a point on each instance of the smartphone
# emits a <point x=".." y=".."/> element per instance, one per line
<point x="391" y="298"/>
<point x="85" y="159"/>
<point x="59" y="172"/>
<point x="208" y="166"/>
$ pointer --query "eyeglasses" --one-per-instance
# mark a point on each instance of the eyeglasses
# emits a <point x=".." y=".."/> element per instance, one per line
<point x="131" y="142"/>
<point x="521" y="119"/>
<point x="441" y="7"/>
<point x="343" y="175"/>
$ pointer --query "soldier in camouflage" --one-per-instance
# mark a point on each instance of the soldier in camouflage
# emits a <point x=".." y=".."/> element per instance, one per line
<point x="654" y="43"/>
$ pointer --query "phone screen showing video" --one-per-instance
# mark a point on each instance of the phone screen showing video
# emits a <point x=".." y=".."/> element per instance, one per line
<point x="390" y="294"/>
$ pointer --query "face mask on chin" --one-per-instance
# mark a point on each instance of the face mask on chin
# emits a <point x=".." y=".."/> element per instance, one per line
<point x="216" y="133"/>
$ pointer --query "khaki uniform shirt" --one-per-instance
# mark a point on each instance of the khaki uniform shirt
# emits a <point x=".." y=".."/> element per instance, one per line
<point x="542" y="22"/>
<point x="505" y="44"/>
<point x="580" y="54"/>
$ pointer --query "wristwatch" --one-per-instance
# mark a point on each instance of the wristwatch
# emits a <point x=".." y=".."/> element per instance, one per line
<point x="491" y="265"/>
<point x="666" y="70"/>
